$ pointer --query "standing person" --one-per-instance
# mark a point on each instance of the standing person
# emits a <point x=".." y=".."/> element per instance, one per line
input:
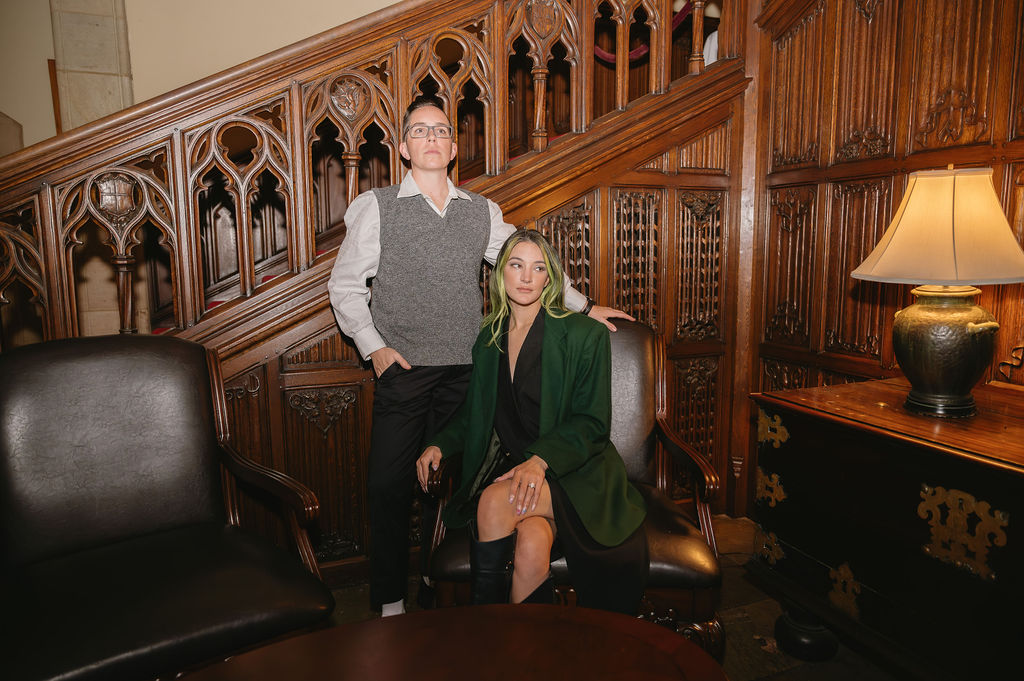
<point x="421" y="242"/>
<point x="537" y="463"/>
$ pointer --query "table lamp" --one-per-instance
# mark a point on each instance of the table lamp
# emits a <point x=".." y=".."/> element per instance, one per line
<point x="948" y="234"/>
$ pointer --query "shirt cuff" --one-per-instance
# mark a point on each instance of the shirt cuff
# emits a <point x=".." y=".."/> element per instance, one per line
<point x="368" y="341"/>
<point x="574" y="300"/>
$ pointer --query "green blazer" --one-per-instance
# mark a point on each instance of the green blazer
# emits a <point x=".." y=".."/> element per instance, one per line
<point x="575" y="417"/>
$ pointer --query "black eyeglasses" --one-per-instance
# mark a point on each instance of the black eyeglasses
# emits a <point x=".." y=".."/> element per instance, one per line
<point x="421" y="130"/>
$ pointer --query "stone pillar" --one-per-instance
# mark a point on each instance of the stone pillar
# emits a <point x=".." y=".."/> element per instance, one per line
<point x="90" y="44"/>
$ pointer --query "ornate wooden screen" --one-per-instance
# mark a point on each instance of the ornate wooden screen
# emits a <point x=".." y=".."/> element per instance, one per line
<point x="214" y="213"/>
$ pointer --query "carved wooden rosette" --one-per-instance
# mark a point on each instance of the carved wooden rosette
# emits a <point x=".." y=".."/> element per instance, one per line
<point x="353" y="100"/>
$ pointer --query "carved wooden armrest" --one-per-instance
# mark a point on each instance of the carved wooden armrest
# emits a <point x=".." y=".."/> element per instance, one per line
<point x="708" y="481"/>
<point x="441" y="483"/>
<point x="293" y="493"/>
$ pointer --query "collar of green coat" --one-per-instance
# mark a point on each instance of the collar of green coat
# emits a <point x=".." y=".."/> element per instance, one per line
<point x="552" y="365"/>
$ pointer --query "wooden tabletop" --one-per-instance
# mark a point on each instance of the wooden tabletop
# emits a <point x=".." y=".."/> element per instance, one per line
<point x="995" y="434"/>
<point x="514" y="642"/>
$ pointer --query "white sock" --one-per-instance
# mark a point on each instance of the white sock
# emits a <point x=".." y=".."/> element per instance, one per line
<point x="389" y="609"/>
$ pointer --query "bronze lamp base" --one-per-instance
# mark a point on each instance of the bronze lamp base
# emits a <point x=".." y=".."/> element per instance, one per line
<point x="943" y="344"/>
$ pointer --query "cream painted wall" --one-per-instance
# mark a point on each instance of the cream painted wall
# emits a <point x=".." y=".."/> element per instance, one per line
<point x="26" y="42"/>
<point x="176" y="43"/>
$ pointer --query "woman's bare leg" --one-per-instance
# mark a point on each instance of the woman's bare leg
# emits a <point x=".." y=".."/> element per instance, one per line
<point x="532" y="562"/>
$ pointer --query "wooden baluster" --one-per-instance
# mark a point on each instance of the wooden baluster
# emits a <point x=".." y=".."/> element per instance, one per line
<point x="621" y="60"/>
<point x="125" y="296"/>
<point x="351" y="161"/>
<point x="540" y="130"/>
<point x="246" y="260"/>
<point x="697" y="52"/>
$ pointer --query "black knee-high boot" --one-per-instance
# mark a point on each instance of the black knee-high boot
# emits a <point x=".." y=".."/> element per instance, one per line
<point x="544" y="593"/>
<point x="490" y="565"/>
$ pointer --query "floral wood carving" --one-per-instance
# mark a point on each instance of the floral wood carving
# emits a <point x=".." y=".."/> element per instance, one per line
<point x="322" y="408"/>
<point x="793" y="208"/>
<point x="866" y="8"/>
<point x="569" y="230"/>
<point x="871" y="143"/>
<point x="954" y="111"/>
<point x="351" y="97"/>
<point x="779" y="375"/>
<point x="809" y="156"/>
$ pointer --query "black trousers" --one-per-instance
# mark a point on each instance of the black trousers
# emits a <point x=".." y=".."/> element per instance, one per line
<point x="409" y="408"/>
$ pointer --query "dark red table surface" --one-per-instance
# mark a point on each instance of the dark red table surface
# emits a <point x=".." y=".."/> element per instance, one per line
<point x="515" y="642"/>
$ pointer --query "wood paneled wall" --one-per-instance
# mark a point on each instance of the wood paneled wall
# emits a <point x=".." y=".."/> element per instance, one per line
<point x="221" y="206"/>
<point x="856" y="94"/>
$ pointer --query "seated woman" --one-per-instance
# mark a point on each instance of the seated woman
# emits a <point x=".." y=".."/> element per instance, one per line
<point x="537" y="462"/>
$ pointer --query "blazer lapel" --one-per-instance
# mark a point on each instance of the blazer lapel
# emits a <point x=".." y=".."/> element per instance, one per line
<point x="552" y="380"/>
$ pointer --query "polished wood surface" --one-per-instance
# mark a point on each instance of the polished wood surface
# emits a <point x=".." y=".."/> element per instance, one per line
<point x="898" y="530"/>
<point x="497" y="642"/>
<point x="995" y="434"/>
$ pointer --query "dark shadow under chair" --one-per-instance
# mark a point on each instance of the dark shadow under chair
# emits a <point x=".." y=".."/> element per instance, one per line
<point x="684" y="575"/>
<point x="122" y="555"/>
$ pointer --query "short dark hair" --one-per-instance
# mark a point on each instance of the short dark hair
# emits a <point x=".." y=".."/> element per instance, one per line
<point x="419" y="103"/>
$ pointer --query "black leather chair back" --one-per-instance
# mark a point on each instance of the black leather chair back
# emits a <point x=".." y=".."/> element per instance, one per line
<point x="633" y="398"/>
<point x="104" y="438"/>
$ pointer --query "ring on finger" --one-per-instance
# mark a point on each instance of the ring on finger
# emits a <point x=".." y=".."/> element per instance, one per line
<point x="532" y="485"/>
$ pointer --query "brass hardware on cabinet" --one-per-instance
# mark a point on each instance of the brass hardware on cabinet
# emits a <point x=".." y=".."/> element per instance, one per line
<point x="953" y="539"/>
<point x="769" y="488"/>
<point x="771" y="428"/>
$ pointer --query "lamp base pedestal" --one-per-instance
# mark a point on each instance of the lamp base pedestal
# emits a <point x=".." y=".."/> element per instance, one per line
<point x="943" y="343"/>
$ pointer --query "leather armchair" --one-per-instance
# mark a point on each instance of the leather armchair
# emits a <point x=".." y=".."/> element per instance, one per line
<point x="684" y="577"/>
<point x="121" y="552"/>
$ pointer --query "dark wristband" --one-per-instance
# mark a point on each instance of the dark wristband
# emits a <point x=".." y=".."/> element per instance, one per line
<point x="588" y="307"/>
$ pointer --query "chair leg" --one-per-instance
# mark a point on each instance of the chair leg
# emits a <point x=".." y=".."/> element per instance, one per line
<point x="490" y="565"/>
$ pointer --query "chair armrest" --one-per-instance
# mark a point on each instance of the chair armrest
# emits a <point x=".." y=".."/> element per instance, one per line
<point x="686" y="455"/>
<point x="441" y="483"/>
<point x="297" y="496"/>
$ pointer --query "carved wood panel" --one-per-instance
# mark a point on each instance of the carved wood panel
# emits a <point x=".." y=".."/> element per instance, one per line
<point x="1009" y="308"/>
<point x="866" y="80"/>
<point x="955" y="72"/>
<point x="789" y="265"/>
<point x="698" y="248"/>
<point x="571" y="229"/>
<point x="636" y="215"/>
<point x="777" y="374"/>
<point x="853" y="309"/>
<point x="24" y="297"/>
<point x="709" y="152"/>
<point x="796" y="92"/>
<point x="696" y="384"/>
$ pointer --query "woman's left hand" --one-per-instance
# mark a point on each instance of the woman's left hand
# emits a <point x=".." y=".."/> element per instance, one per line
<point x="527" y="479"/>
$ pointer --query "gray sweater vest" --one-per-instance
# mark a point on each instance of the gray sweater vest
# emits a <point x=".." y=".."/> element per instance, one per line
<point x="426" y="299"/>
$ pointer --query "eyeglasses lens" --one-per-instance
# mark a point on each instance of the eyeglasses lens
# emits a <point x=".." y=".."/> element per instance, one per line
<point x="440" y="131"/>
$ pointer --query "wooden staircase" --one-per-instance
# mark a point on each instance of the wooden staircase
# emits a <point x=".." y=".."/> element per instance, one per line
<point x="219" y="206"/>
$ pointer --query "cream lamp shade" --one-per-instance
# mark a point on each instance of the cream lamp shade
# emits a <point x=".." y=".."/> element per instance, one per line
<point x="949" y="230"/>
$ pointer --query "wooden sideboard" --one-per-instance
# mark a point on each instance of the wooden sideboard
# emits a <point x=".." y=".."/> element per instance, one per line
<point x="898" y="531"/>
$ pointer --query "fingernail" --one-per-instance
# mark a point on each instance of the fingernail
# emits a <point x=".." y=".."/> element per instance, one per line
<point x="434" y="466"/>
<point x="511" y="499"/>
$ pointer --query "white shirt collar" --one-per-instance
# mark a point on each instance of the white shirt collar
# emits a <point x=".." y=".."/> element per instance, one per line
<point x="410" y="188"/>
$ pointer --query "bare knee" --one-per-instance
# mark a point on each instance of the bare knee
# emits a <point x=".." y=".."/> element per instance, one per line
<point x="533" y="550"/>
<point x="494" y="515"/>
